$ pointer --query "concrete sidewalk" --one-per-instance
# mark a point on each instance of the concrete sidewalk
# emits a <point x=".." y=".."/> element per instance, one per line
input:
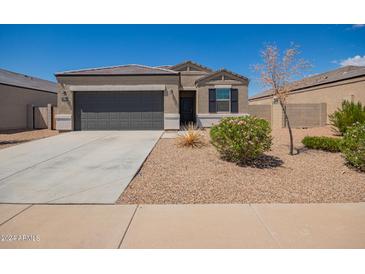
<point x="184" y="226"/>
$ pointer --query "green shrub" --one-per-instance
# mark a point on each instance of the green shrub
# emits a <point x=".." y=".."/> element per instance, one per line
<point x="347" y="115"/>
<point x="323" y="143"/>
<point x="353" y="146"/>
<point x="241" y="139"/>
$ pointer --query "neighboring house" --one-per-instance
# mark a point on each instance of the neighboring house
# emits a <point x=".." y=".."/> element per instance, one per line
<point x="130" y="97"/>
<point x="312" y="99"/>
<point x="18" y="93"/>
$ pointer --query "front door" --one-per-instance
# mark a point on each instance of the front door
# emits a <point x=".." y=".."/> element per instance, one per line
<point x="187" y="113"/>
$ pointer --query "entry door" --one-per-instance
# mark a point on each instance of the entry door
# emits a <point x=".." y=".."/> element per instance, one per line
<point x="187" y="110"/>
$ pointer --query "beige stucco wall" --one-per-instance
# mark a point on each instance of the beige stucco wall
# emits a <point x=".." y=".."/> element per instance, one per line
<point x="265" y="101"/>
<point x="188" y="78"/>
<point x="261" y="111"/>
<point x="14" y="101"/>
<point x="203" y="98"/>
<point x="307" y="115"/>
<point x="277" y="117"/>
<point x="119" y="80"/>
<point x="64" y="107"/>
<point x="171" y="94"/>
<point x="332" y="94"/>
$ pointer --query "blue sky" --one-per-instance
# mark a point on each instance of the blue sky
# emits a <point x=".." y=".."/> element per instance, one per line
<point x="42" y="50"/>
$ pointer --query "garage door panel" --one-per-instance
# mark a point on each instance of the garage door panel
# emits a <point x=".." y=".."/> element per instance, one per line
<point x="157" y="116"/>
<point x="139" y="125"/>
<point x="114" y="116"/>
<point x="84" y="115"/>
<point x="147" y="115"/>
<point x="123" y="115"/>
<point x="89" y="115"/>
<point x="102" y="115"/>
<point x="89" y="125"/>
<point x="115" y="125"/>
<point x="119" y="110"/>
<point x="135" y="116"/>
<point x="125" y="125"/>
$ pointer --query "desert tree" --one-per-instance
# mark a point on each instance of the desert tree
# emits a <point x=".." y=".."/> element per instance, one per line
<point x="277" y="72"/>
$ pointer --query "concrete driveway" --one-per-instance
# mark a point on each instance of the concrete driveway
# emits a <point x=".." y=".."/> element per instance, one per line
<point x="75" y="167"/>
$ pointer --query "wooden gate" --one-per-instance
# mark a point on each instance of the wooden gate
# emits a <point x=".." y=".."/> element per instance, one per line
<point x="40" y="116"/>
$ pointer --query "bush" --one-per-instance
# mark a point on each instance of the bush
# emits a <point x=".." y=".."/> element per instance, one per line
<point x="191" y="137"/>
<point x="347" y="115"/>
<point x="353" y="146"/>
<point x="241" y="139"/>
<point x="323" y="143"/>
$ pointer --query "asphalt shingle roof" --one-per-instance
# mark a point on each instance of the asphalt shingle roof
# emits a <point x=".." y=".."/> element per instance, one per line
<point x="135" y="69"/>
<point x="26" y="81"/>
<point x="343" y="73"/>
<point x="193" y="63"/>
<point x="131" y="69"/>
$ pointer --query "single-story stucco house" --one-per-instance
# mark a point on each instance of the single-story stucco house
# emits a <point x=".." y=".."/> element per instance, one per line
<point x="314" y="98"/>
<point x="139" y="97"/>
<point x="18" y="94"/>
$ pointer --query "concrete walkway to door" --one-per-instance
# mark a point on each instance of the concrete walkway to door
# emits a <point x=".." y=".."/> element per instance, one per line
<point x="75" y="167"/>
<point x="183" y="226"/>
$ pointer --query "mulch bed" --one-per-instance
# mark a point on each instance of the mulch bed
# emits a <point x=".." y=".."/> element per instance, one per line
<point x="174" y="175"/>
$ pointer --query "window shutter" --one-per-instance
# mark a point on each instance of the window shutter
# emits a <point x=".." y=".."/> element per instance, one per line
<point x="234" y="100"/>
<point x="212" y="102"/>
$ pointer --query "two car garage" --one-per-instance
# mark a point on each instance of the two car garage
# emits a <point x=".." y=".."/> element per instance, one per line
<point x="118" y="110"/>
<point x="126" y="97"/>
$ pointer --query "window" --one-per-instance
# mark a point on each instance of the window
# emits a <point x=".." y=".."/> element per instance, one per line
<point x="223" y="98"/>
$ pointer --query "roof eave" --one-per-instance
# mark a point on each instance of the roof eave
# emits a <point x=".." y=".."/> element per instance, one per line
<point x="219" y="71"/>
<point x="30" y="88"/>
<point x="193" y="63"/>
<point x="115" y="74"/>
<point x="261" y="97"/>
<point x="310" y="86"/>
<point x="95" y="70"/>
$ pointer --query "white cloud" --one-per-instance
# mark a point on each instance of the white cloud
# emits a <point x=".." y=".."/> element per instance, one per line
<point x="354" y="61"/>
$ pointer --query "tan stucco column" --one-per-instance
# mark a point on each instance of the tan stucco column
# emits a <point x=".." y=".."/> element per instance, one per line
<point x="30" y="114"/>
<point x="276" y="116"/>
<point x="49" y="116"/>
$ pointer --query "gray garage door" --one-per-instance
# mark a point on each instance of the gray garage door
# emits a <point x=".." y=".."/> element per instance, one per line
<point x="119" y="110"/>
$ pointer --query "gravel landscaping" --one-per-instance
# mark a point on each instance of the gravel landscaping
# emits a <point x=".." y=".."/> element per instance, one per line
<point x="14" y="137"/>
<point x="182" y="175"/>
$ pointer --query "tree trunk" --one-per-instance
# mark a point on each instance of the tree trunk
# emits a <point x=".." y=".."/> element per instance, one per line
<point x="291" y="147"/>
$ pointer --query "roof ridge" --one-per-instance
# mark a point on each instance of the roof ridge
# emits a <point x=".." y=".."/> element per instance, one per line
<point x="331" y="71"/>
<point x="86" y="69"/>
<point x="317" y="79"/>
<point x="145" y="66"/>
<point x="194" y="63"/>
<point x="319" y="75"/>
<point x="232" y="72"/>
<point x="111" y="67"/>
<point x="28" y="76"/>
<point x="161" y="66"/>
<point x="16" y="79"/>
